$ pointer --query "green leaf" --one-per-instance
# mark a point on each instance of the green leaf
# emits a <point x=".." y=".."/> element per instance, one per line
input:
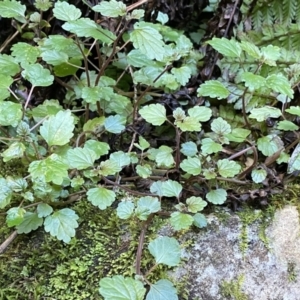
<point x="100" y="148"/>
<point x="200" y="113"/>
<point x="85" y="27"/>
<point x="5" y="82"/>
<point x="66" y="12"/>
<point x="229" y="48"/>
<point x="30" y="222"/>
<point x="10" y="113"/>
<point x="51" y="169"/>
<point x="238" y="135"/>
<point x="195" y="204"/>
<point x="97" y="93"/>
<point x="251" y="49"/>
<point x="259" y="175"/>
<point x="270" y="54"/>
<point x="189" y="124"/>
<point x="143" y="144"/>
<point x="191" y="165"/>
<point x="220" y="126"/>
<point x="200" y="220"/>
<point x="171" y="188"/>
<point x="121" y="158"/>
<point x="217" y="196"/>
<point x="252" y="81"/>
<point x="165" y="250"/>
<point x="279" y="83"/>
<point x="209" y="146"/>
<point x="209" y="173"/>
<point x="144" y="171"/>
<point x="37" y="75"/>
<point x="111" y="8"/>
<point x="62" y="224"/>
<point x="164" y="156"/>
<point x="293" y="110"/>
<point x="12" y="9"/>
<point x="162" y="290"/>
<point x="16" y="184"/>
<point x="263" y="113"/>
<point x="125" y="209"/>
<point x="182" y="74"/>
<point x="8" y="65"/>
<point x="81" y="158"/>
<point x="287" y="126"/>
<point x="15" y="150"/>
<point x="157" y="188"/>
<point x="162" y="18"/>
<point x="137" y="14"/>
<point x="120" y="288"/>
<point x="48" y="108"/>
<point x="154" y="114"/>
<point x="44" y="210"/>
<point x="228" y="168"/>
<point x="180" y="221"/>
<point x="58" y="129"/>
<point x="55" y="57"/>
<point x="148" y="40"/>
<point x="14" y="216"/>
<point x="179" y="115"/>
<point x="270" y="144"/>
<point x="146" y="206"/>
<point x="25" y="53"/>
<point x="213" y="89"/>
<point x="114" y="124"/>
<point x="189" y="149"/>
<point x="109" y="167"/>
<point x="101" y="197"/>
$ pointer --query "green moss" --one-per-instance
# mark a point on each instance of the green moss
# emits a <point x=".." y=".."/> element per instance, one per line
<point x="233" y="289"/>
<point x="37" y="265"/>
<point x="292" y="273"/>
<point x="247" y="216"/>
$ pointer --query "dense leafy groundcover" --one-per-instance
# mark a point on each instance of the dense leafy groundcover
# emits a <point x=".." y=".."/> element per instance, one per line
<point x="126" y="117"/>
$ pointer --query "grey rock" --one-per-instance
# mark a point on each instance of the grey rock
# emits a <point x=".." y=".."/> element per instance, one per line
<point x="215" y="257"/>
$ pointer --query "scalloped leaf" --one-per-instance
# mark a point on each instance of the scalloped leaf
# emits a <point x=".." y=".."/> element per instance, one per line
<point x="30" y="222"/>
<point x="195" y="204"/>
<point x="259" y="175"/>
<point x="37" y="75"/>
<point x="81" y="158"/>
<point x="101" y="197"/>
<point x="171" y="188"/>
<point x="263" y="113"/>
<point x="162" y="290"/>
<point x="125" y="209"/>
<point x="165" y="250"/>
<point x="181" y="221"/>
<point x="121" y="288"/>
<point x="111" y="8"/>
<point x="191" y="165"/>
<point x="66" y="12"/>
<point x="228" y="168"/>
<point x="154" y="114"/>
<point x="229" y="48"/>
<point x="148" y="40"/>
<point x="217" y="196"/>
<point x="58" y="129"/>
<point x="62" y="224"/>
<point x="213" y="89"/>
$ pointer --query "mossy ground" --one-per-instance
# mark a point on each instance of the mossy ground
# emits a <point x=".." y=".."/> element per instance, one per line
<point x="38" y="266"/>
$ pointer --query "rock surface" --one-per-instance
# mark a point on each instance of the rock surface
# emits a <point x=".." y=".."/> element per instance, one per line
<point x="269" y="272"/>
